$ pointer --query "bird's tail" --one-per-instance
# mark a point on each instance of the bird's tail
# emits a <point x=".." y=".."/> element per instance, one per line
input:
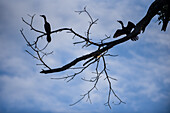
<point x="48" y="38"/>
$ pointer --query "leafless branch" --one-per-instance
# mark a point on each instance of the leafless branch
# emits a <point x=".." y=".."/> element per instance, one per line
<point x="95" y="57"/>
<point x="110" y="86"/>
<point x="39" y="57"/>
<point x="31" y="24"/>
<point x="91" y="23"/>
<point x="140" y="26"/>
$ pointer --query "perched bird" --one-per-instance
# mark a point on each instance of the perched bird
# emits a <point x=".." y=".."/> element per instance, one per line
<point x="125" y="30"/>
<point x="47" y="28"/>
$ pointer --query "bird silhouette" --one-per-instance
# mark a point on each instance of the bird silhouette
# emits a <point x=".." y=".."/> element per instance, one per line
<point x="125" y="30"/>
<point x="47" y="28"/>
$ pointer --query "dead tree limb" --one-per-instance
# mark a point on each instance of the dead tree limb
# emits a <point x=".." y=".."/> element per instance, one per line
<point x="160" y="7"/>
<point x="140" y="26"/>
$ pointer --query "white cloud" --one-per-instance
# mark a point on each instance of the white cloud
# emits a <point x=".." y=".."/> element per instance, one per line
<point x="140" y="76"/>
<point x="35" y="91"/>
<point x="137" y="75"/>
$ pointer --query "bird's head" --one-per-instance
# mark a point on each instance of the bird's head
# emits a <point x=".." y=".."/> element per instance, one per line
<point x="43" y="16"/>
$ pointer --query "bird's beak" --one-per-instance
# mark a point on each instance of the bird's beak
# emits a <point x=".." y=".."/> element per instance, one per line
<point x="41" y="15"/>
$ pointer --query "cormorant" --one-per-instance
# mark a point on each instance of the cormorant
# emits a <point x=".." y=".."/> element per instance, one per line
<point x="125" y="30"/>
<point x="47" y="28"/>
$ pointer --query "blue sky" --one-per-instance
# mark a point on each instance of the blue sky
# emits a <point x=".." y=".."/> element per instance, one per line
<point x="142" y="67"/>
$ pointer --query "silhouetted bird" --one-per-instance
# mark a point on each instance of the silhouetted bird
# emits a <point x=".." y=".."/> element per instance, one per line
<point x="125" y="30"/>
<point x="47" y="28"/>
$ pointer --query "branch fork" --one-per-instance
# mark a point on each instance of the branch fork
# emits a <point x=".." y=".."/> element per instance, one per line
<point x="93" y="58"/>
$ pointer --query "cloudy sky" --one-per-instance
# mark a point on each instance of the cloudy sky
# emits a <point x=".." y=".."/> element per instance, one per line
<point x="142" y="68"/>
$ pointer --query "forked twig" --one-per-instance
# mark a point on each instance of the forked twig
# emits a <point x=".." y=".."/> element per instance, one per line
<point x="91" y="58"/>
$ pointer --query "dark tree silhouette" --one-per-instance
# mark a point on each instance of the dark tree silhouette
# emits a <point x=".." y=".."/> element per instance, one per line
<point x="158" y="7"/>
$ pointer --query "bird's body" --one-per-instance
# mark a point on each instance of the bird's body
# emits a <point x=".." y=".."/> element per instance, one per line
<point x="48" y="31"/>
<point x="125" y="30"/>
<point x="47" y="28"/>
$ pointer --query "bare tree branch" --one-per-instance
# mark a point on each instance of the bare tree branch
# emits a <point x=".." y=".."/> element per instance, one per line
<point x="39" y="57"/>
<point x="140" y="26"/>
<point x="97" y="56"/>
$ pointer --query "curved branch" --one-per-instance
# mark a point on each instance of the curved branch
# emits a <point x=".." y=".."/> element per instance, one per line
<point x="31" y="26"/>
<point x="93" y="54"/>
<point x="140" y="26"/>
<point x="39" y="57"/>
<point x="93" y="57"/>
<point x="152" y="11"/>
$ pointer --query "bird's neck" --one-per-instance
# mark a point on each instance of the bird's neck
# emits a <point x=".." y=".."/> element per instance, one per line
<point x="122" y="25"/>
<point x="45" y="19"/>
